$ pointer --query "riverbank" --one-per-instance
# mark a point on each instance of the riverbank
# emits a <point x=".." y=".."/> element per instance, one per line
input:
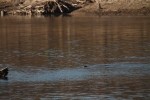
<point x="86" y="7"/>
<point x="116" y="7"/>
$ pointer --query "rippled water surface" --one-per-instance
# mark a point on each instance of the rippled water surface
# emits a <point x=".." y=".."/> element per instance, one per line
<point x="77" y="58"/>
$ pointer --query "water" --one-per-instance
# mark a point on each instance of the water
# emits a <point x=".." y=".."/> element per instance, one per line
<point x="46" y="57"/>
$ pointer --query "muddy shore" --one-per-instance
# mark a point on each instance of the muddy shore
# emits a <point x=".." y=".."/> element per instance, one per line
<point x="106" y="8"/>
<point x="145" y="11"/>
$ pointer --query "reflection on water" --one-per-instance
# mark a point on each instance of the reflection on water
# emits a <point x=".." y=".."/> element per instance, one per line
<point x="46" y="56"/>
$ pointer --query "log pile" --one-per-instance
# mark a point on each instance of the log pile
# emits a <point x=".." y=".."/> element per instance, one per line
<point x="59" y="7"/>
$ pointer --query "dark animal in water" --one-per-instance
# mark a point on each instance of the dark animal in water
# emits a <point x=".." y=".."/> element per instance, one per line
<point x="3" y="72"/>
<point x="85" y="66"/>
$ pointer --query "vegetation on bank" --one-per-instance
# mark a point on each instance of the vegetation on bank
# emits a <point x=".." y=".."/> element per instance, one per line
<point x="75" y="7"/>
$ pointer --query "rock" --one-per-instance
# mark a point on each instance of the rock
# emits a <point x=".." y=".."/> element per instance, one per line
<point x="3" y="72"/>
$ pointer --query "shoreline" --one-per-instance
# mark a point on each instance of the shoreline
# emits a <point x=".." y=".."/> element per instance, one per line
<point x="122" y="12"/>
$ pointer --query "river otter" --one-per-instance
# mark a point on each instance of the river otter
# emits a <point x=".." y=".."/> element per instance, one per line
<point x="3" y="72"/>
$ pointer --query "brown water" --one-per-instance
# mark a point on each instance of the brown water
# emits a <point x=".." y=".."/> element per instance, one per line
<point x="46" y="57"/>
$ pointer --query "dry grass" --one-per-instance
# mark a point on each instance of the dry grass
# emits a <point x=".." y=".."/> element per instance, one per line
<point x="5" y="4"/>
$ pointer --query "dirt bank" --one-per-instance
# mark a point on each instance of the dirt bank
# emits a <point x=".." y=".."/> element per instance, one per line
<point x="116" y="7"/>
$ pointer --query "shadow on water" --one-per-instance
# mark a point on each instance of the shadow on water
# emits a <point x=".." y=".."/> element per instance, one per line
<point x="79" y="73"/>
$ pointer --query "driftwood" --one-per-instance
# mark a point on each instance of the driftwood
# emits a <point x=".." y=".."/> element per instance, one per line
<point x="3" y="73"/>
<point x="4" y="5"/>
<point x="59" y="7"/>
<point x="51" y="7"/>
